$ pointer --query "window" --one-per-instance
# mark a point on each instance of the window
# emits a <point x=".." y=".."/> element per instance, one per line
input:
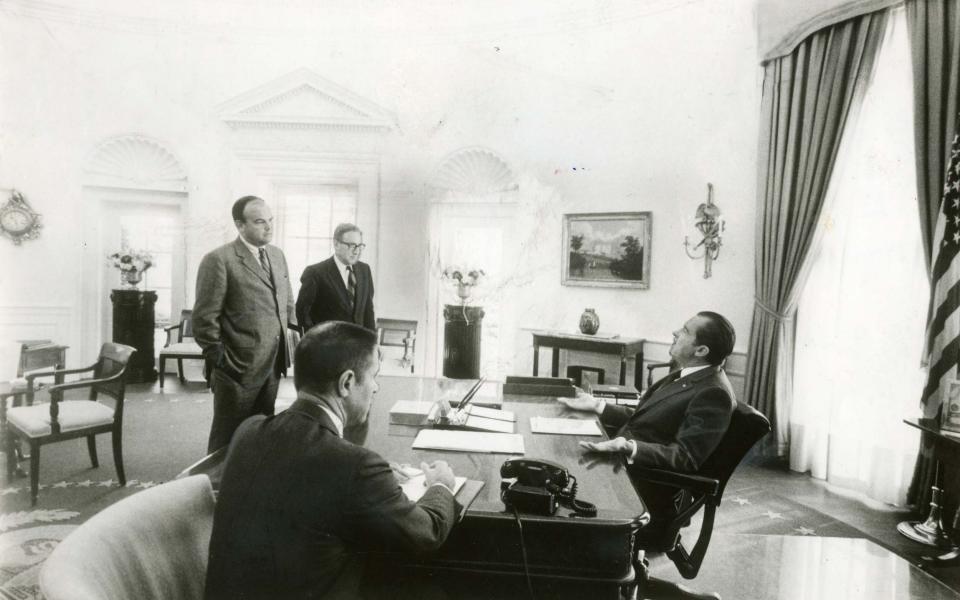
<point x="308" y="215"/>
<point x="861" y="315"/>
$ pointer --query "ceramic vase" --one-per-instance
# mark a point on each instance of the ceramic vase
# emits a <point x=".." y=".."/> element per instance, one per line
<point x="589" y="322"/>
<point x="129" y="280"/>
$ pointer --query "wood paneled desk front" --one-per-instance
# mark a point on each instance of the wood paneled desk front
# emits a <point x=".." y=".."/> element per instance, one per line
<point x="622" y="346"/>
<point x="567" y="555"/>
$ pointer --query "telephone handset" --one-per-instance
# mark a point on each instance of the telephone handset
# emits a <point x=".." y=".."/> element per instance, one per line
<point x="540" y="486"/>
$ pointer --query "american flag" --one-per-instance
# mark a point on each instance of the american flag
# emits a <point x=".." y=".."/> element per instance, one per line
<point x="943" y="331"/>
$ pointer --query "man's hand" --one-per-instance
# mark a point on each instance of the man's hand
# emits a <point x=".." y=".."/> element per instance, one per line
<point x="617" y="445"/>
<point x="439" y="472"/>
<point x="583" y="402"/>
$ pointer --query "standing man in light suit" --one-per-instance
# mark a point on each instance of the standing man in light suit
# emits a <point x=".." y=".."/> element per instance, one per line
<point x="244" y="304"/>
<point x="339" y="288"/>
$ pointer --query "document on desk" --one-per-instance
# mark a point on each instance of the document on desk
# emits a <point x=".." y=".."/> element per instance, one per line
<point x="416" y="486"/>
<point x="469" y="441"/>
<point x="490" y="413"/>
<point x="564" y="426"/>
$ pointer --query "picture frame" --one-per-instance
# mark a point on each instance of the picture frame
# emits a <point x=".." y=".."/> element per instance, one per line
<point x="950" y="417"/>
<point x="607" y="249"/>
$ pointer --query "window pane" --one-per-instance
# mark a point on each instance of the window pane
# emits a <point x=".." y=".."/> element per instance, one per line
<point x="161" y="273"/>
<point x="164" y="305"/>
<point x="295" y="214"/>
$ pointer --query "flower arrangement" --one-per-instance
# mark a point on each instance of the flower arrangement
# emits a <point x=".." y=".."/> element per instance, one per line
<point x="131" y="264"/>
<point x="463" y="279"/>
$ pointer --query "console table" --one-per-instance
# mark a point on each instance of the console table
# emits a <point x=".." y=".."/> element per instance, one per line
<point x="623" y="347"/>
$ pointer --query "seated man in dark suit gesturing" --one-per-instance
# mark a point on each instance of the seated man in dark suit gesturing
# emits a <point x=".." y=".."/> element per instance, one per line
<point x="299" y="506"/>
<point x="680" y="419"/>
<point x="339" y="288"/>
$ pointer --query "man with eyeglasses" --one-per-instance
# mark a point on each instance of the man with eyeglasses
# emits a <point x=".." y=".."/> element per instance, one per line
<point x="339" y="288"/>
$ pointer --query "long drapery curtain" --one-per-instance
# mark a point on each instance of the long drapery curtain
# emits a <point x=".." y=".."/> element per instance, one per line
<point x="807" y="99"/>
<point x="861" y="315"/>
<point x="934" y="28"/>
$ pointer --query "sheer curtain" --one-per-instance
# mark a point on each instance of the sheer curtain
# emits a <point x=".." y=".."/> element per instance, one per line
<point x="861" y="315"/>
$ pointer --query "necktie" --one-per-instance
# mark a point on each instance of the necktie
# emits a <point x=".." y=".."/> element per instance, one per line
<point x="351" y="286"/>
<point x="265" y="263"/>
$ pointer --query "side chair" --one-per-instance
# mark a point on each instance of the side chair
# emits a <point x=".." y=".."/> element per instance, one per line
<point x="401" y="333"/>
<point x="183" y="348"/>
<point x="702" y="490"/>
<point x="60" y="420"/>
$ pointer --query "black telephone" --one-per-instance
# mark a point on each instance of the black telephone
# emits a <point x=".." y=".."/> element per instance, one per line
<point x="539" y="487"/>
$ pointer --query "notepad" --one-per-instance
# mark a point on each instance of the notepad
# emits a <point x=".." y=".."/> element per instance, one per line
<point x="485" y="424"/>
<point x="469" y="441"/>
<point x="416" y="486"/>
<point x="564" y="426"/>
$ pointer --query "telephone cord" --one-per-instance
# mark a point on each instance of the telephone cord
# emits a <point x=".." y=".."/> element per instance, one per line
<point x="523" y="553"/>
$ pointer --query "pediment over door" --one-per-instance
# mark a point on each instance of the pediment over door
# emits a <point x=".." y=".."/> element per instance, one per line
<point x="304" y="100"/>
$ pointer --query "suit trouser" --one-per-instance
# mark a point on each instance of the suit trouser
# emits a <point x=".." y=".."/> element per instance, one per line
<point x="233" y="402"/>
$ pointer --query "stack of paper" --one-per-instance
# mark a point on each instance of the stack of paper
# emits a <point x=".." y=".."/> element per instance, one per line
<point x="469" y="441"/>
<point x="564" y="426"/>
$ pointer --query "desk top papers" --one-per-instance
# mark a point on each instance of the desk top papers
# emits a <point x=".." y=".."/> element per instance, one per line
<point x="564" y="426"/>
<point x="416" y="486"/>
<point x="490" y="413"/>
<point x="469" y="441"/>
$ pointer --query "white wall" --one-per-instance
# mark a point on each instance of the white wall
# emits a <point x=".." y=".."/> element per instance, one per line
<point x="615" y="106"/>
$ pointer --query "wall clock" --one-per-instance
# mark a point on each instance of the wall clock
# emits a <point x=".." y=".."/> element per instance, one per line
<point x="18" y="221"/>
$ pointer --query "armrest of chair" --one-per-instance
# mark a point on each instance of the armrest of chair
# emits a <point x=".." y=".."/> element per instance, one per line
<point x="686" y="481"/>
<point x="170" y="331"/>
<point x="55" y="373"/>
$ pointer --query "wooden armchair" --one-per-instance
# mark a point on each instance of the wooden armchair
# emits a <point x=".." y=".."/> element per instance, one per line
<point x="702" y="490"/>
<point x="183" y="348"/>
<point x="62" y="419"/>
<point x="400" y="333"/>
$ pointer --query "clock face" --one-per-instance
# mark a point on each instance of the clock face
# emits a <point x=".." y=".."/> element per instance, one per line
<point x="15" y="220"/>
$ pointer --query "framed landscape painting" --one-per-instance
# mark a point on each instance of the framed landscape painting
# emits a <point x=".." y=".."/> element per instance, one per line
<point x="607" y="249"/>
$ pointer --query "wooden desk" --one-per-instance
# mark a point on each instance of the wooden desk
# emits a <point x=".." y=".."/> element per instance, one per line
<point x="568" y="556"/>
<point x="621" y="346"/>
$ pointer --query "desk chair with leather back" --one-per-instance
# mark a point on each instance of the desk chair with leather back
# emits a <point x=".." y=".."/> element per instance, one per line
<point x="183" y="348"/>
<point x="151" y="546"/>
<point x="702" y="489"/>
<point x="401" y="333"/>
<point x="40" y="424"/>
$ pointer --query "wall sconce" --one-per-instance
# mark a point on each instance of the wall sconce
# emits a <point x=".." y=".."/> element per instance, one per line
<point x="710" y="224"/>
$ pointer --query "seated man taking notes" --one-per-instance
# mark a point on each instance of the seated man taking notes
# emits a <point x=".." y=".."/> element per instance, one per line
<point x="299" y="506"/>
<point x="681" y="418"/>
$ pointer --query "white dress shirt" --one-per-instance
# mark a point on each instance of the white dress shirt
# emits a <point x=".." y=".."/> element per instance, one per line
<point x="342" y="267"/>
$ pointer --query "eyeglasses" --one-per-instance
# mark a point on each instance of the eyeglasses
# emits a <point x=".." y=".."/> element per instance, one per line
<point x="353" y="247"/>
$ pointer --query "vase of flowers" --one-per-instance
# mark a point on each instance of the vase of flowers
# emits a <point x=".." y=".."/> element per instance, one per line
<point x="464" y="280"/>
<point x="131" y="264"/>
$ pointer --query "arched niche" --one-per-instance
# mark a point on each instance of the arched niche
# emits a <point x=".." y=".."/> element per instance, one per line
<point x="134" y="161"/>
<point x="472" y="174"/>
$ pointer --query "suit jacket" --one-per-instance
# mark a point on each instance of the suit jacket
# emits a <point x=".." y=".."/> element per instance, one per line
<point x="323" y="296"/>
<point x="678" y="423"/>
<point x="299" y="508"/>
<point x="240" y="317"/>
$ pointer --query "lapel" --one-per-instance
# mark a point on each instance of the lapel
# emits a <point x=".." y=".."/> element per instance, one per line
<point x="335" y="281"/>
<point x="677" y="386"/>
<point x="251" y="263"/>
<point x="313" y="411"/>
